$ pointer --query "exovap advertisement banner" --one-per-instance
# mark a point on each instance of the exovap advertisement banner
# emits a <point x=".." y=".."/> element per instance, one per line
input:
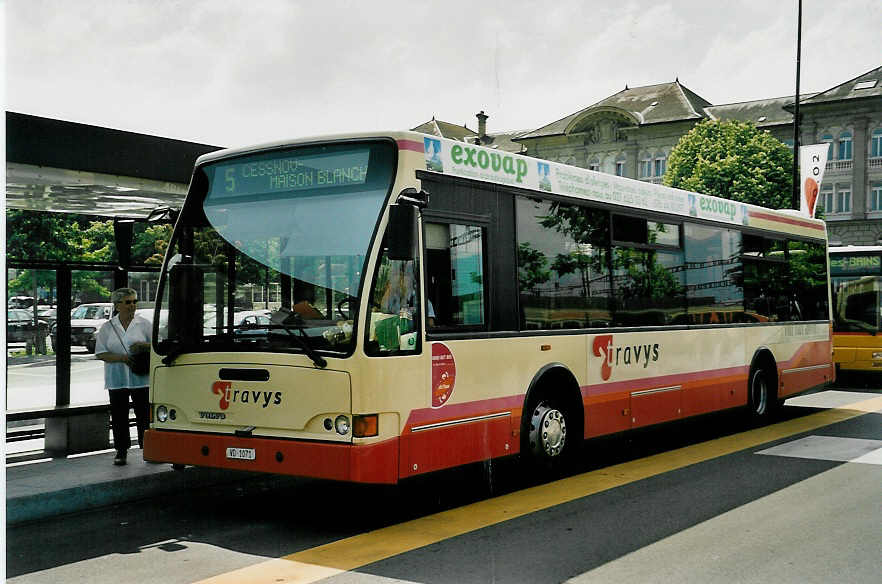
<point x="479" y="163"/>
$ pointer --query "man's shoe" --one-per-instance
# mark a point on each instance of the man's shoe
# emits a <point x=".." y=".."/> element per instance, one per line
<point x="120" y="458"/>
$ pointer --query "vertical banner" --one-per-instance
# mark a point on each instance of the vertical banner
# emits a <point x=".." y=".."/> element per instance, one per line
<point x="812" y="162"/>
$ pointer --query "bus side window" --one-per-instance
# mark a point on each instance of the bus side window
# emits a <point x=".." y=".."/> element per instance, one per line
<point x="455" y="275"/>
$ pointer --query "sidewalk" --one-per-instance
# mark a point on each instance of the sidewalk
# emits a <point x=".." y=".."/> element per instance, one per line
<point x="49" y="487"/>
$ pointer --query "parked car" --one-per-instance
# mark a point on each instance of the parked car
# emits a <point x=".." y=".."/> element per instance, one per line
<point x="246" y="324"/>
<point x="85" y="320"/>
<point x="22" y="328"/>
<point x="50" y="315"/>
<point x="20" y="302"/>
<point x="147" y="313"/>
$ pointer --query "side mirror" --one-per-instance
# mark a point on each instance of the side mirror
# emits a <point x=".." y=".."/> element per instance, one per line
<point x="401" y="232"/>
<point x="411" y="196"/>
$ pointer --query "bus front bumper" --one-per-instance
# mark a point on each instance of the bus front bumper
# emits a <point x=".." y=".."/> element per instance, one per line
<point x="359" y="463"/>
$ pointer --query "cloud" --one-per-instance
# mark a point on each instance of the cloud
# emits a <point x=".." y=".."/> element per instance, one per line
<point x="227" y="72"/>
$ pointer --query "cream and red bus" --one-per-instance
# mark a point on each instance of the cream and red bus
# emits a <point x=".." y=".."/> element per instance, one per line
<point x="856" y="277"/>
<point x="417" y="303"/>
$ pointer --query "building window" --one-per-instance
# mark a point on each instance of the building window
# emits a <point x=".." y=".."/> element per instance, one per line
<point x="646" y="166"/>
<point x="827" y="200"/>
<point x="594" y="165"/>
<point x="843" y="198"/>
<point x="620" y="168"/>
<point x="828" y="139"/>
<point x="876" y="144"/>
<point x="845" y="146"/>
<point x="876" y="197"/>
<point x="660" y="165"/>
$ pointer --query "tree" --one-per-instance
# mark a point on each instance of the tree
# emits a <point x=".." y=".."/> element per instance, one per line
<point x="733" y="160"/>
<point x="532" y="272"/>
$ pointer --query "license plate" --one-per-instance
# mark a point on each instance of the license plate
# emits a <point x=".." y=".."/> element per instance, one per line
<point x="241" y="453"/>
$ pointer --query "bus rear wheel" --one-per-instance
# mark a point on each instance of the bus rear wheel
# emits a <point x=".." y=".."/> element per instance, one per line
<point x="761" y="401"/>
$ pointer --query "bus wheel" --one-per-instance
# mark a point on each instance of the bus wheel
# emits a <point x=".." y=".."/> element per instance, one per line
<point x="547" y="434"/>
<point x="760" y="400"/>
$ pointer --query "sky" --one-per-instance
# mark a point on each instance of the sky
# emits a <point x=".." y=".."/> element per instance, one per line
<point x="238" y="72"/>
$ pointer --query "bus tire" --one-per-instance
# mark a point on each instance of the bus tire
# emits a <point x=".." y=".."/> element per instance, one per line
<point x="761" y="398"/>
<point x="551" y="434"/>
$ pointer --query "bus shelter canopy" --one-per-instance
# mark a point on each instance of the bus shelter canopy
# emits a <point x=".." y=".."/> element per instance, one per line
<point x="66" y="167"/>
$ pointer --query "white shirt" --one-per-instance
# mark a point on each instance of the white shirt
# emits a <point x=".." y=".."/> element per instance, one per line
<point x="119" y="375"/>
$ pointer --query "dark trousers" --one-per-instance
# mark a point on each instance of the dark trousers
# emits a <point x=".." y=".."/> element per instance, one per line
<point x="119" y="415"/>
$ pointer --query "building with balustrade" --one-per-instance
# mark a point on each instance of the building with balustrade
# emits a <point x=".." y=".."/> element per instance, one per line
<point x="632" y="132"/>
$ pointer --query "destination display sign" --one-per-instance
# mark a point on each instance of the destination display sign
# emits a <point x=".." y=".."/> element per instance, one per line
<point x="470" y="161"/>
<point x="286" y="172"/>
<point x="852" y="265"/>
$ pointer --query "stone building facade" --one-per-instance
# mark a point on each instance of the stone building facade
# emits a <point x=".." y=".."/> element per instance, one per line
<point x="632" y="132"/>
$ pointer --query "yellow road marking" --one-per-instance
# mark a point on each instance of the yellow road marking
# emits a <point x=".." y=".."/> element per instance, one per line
<point x="353" y="552"/>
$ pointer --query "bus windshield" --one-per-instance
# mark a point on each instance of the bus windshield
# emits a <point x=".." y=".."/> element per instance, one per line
<point x="270" y="248"/>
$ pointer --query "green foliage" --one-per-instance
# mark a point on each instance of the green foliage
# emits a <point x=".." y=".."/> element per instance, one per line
<point x="60" y="237"/>
<point x="733" y="160"/>
<point x="646" y="278"/>
<point x="149" y="244"/>
<point x="44" y="236"/>
<point x="531" y="267"/>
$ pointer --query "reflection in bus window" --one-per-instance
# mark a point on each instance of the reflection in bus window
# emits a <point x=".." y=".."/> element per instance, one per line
<point x="712" y="275"/>
<point x="808" y="278"/>
<point x="563" y="265"/>
<point x="650" y="286"/>
<point x="857" y="305"/>
<point x="455" y="270"/>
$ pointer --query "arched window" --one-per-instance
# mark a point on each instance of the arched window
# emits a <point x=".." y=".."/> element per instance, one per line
<point x="646" y="165"/>
<point x="845" y="146"/>
<point x="874" y="201"/>
<point x="620" y="164"/>
<point x="876" y="144"/>
<point x="661" y="164"/>
<point x="827" y="199"/>
<point x="828" y="138"/>
<point x="843" y="198"/>
<point x="594" y="164"/>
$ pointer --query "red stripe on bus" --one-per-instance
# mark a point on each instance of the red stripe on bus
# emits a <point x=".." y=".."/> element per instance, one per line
<point x="362" y="463"/>
<point x="787" y="220"/>
<point x="411" y="145"/>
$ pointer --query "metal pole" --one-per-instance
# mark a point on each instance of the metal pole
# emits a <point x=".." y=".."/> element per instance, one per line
<point x="796" y="189"/>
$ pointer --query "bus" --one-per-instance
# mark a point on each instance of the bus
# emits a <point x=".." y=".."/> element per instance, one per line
<point x="441" y="303"/>
<point x="856" y="278"/>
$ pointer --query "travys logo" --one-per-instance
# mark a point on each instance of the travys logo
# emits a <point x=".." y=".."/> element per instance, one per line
<point x="613" y="355"/>
<point x="228" y="395"/>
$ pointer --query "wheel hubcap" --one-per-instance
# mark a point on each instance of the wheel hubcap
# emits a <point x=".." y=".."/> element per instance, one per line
<point x="548" y="431"/>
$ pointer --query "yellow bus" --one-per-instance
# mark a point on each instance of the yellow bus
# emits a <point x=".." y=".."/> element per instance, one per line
<point x="856" y="277"/>
<point x="369" y="308"/>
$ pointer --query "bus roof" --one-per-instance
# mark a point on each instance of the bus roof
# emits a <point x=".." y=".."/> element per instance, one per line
<point x="453" y="158"/>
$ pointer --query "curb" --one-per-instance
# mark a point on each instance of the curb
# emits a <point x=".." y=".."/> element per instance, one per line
<point x="34" y="507"/>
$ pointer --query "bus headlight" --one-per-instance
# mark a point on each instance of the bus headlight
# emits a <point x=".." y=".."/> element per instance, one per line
<point x="342" y="425"/>
<point x="161" y="413"/>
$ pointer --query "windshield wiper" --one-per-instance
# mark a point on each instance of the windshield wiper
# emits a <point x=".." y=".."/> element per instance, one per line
<point x="283" y="318"/>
